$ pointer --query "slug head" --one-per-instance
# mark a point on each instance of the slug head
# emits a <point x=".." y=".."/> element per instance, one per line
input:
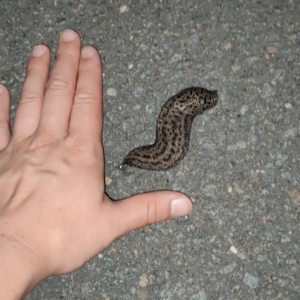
<point x="195" y="100"/>
<point x="209" y="99"/>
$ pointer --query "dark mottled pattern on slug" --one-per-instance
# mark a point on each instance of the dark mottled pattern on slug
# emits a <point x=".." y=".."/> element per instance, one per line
<point x="172" y="130"/>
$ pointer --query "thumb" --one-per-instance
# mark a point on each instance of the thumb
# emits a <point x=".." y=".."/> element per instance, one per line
<point x="148" y="208"/>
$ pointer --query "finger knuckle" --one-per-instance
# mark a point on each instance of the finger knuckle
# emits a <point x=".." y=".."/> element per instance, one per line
<point x="85" y="97"/>
<point x="152" y="212"/>
<point x="79" y="148"/>
<point x="60" y="84"/>
<point x="28" y="97"/>
<point x="35" y="71"/>
<point x="42" y="141"/>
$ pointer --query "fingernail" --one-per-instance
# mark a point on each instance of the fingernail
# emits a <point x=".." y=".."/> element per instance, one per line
<point x="180" y="207"/>
<point x="87" y="52"/>
<point x="68" y="35"/>
<point x="1" y="88"/>
<point x="38" y="51"/>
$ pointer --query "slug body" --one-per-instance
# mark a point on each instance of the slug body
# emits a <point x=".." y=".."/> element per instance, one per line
<point x="172" y="130"/>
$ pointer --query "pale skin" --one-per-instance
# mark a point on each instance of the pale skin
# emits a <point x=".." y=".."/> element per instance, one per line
<point x="54" y="213"/>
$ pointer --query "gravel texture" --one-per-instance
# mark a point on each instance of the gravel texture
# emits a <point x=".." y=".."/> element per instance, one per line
<point x="242" y="169"/>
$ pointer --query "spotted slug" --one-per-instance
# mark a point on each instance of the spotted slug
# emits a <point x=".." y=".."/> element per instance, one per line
<point x="172" y="130"/>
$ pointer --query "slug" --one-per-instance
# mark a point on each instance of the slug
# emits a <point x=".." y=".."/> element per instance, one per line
<point x="172" y="130"/>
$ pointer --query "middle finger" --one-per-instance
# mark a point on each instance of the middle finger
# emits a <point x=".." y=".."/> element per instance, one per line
<point x="61" y="85"/>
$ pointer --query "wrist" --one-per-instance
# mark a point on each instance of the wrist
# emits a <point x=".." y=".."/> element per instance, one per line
<point x="21" y="269"/>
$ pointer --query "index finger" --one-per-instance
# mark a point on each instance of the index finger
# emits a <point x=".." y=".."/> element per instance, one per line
<point x="86" y="115"/>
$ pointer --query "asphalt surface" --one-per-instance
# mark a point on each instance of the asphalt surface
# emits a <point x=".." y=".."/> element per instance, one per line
<point x="242" y="169"/>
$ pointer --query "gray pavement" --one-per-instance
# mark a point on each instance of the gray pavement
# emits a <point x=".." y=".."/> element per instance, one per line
<point x="242" y="169"/>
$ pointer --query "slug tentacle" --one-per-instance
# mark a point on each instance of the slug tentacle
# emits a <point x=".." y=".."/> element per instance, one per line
<point x="172" y="130"/>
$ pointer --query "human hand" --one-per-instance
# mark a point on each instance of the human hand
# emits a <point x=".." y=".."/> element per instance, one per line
<point x="54" y="213"/>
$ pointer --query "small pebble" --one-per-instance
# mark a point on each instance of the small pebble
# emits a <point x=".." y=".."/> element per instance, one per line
<point x="175" y="58"/>
<point x="111" y="92"/>
<point x="123" y="9"/>
<point x="280" y="160"/>
<point x="235" y="68"/>
<point x="227" y="46"/>
<point x="108" y="180"/>
<point x="228" y="269"/>
<point x="280" y="74"/>
<point x="143" y="280"/>
<point x="288" y="105"/>
<point x="243" y="110"/>
<point x="272" y="49"/>
<point x="250" y="280"/>
<point x="233" y="250"/>
<point x="266" y="91"/>
<point x="144" y="47"/>
<point x="295" y="196"/>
